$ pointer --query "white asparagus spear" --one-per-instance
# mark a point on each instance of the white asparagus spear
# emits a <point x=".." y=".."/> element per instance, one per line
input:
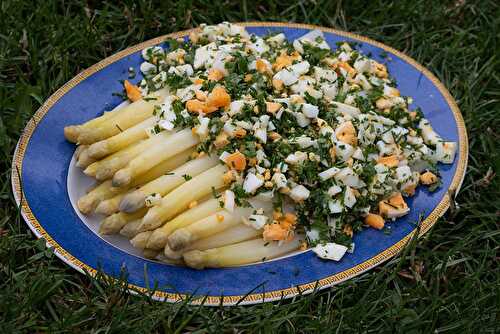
<point x="164" y="184"/>
<point x="79" y="149"/>
<point x="111" y="205"/>
<point x="141" y="239"/>
<point x="105" y="168"/>
<point x="150" y="253"/>
<point x="130" y="229"/>
<point x="241" y="253"/>
<point x="173" y="145"/>
<point x="114" y="223"/>
<point x="72" y="132"/>
<point x="178" y="200"/>
<point x="121" y="140"/>
<point x="232" y="235"/>
<point x="108" y="166"/>
<point x="87" y="203"/>
<point x="92" y="187"/>
<point x="132" y="114"/>
<point x="84" y="159"/>
<point x="159" y="238"/>
<point x="163" y="167"/>
<point x="206" y="227"/>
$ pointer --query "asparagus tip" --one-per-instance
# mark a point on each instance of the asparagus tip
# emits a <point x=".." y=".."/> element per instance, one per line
<point x="111" y="224"/>
<point x="140" y="240"/>
<point x="86" y="204"/>
<point x="121" y="178"/>
<point x="195" y="259"/>
<point x="130" y="229"/>
<point x="90" y="170"/>
<point x="150" y="253"/>
<point x="105" y="208"/>
<point x="79" y="150"/>
<point x="148" y="220"/>
<point x="85" y="137"/>
<point x="72" y="133"/>
<point x="132" y="201"/>
<point x="157" y="240"/>
<point x="98" y="150"/>
<point x="172" y="255"/>
<point x="84" y="160"/>
<point x="179" y="239"/>
<point x="101" y="174"/>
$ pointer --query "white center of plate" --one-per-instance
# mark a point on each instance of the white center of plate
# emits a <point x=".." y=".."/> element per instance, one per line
<point x="78" y="183"/>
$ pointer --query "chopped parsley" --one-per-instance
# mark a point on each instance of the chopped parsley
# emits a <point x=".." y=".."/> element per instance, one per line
<point x="286" y="149"/>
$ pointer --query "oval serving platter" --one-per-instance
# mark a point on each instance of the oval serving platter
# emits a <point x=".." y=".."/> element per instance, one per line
<point x="44" y="185"/>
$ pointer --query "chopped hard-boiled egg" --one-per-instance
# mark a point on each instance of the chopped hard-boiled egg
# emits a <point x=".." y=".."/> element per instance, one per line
<point x="252" y="183"/>
<point x="256" y="221"/>
<point x="229" y="200"/>
<point x="329" y="173"/>
<point x="299" y="193"/>
<point x="330" y="251"/>
<point x="428" y="133"/>
<point x="393" y="207"/>
<point x="349" y="197"/>
<point x="309" y="110"/>
<point x="314" y="38"/>
<point x="297" y="124"/>
<point x="445" y="151"/>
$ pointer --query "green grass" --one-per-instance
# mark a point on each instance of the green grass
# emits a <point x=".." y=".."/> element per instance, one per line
<point x="449" y="282"/>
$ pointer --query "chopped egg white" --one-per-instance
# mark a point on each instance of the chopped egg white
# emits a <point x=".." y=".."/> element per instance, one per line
<point x="252" y="183"/>
<point x="310" y="110"/>
<point x="235" y="107"/>
<point x="305" y="142"/>
<point x="335" y="206"/>
<point x="256" y="221"/>
<point x="445" y="151"/>
<point x="202" y="129"/>
<point x="334" y="190"/>
<point x="300" y="68"/>
<point x="277" y="39"/>
<point x="330" y="251"/>
<point x="428" y="133"/>
<point x="343" y="150"/>
<point x="288" y="77"/>
<point x="328" y="174"/>
<point x="346" y="109"/>
<point x="299" y="193"/>
<point x="311" y="38"/>
<point x="296" y="158"/>
<point x="147" y="68"/>
<point x="349" y="198"/>
<point x="302" y="120"/>
<point x="229" y="200"/>
<point x="261" y="134"/>
<point x="279" y="180"/>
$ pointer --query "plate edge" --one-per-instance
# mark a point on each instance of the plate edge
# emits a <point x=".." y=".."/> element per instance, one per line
<point x="326" y="282"/>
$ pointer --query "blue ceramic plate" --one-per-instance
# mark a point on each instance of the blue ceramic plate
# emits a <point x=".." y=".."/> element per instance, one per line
<point x="48" y="183"/>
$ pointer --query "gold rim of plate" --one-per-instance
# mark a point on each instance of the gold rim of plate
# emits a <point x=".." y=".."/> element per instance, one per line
<point x="426" y="224"/>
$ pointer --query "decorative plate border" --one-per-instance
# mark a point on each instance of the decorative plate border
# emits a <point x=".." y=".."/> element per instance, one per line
<point x="75" y="263"/>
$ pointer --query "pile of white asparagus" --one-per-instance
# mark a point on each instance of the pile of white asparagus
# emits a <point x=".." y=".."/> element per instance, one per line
<point x="332" y="136"/>
<point x="146" y="195"/>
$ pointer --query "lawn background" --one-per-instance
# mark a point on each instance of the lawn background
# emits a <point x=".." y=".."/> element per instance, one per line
<point x="447" y="283"/>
